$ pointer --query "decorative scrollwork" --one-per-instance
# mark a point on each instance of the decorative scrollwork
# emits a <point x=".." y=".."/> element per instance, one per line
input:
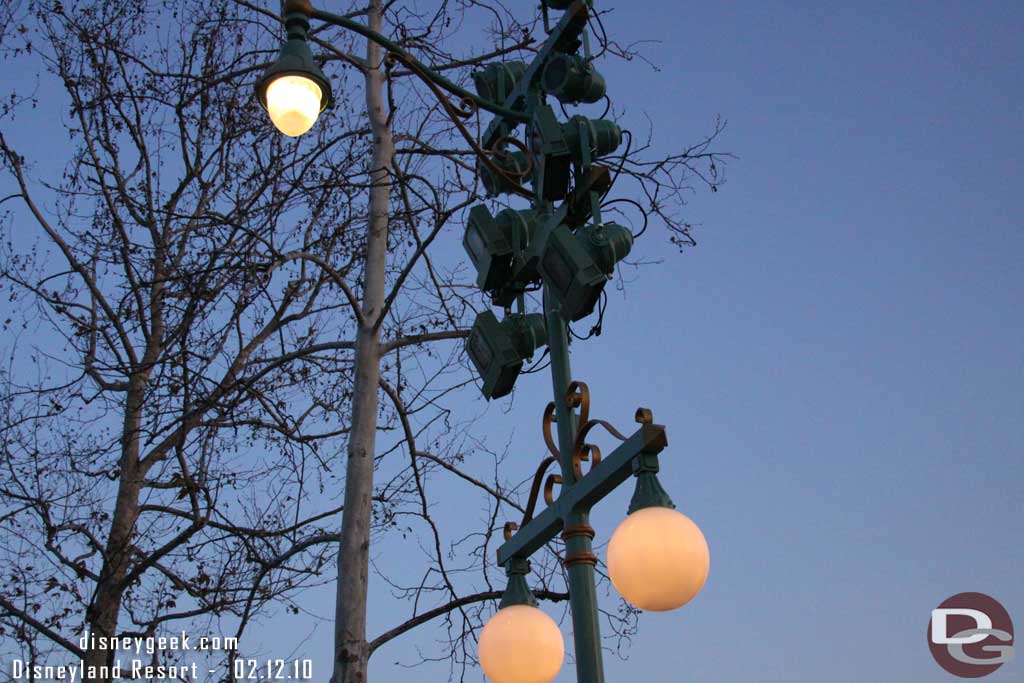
<point x="550" y="419"/>
<point x="588" y="452"/>
<point x="467" y="107"/>
<point x="577" y="396"/>
<point x="535" y="489"/>
<point x="549" y="487"/>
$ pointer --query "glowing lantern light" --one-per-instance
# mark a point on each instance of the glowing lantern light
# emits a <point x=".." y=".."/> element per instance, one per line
<point x="658" y="559"/>
<point x="521" y="644"/>
<point x="293" y="103"/>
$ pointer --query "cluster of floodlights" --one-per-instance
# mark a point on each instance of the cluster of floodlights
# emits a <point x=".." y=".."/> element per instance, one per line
<point x="515" y="250"/>
<point x="510" y="251"/>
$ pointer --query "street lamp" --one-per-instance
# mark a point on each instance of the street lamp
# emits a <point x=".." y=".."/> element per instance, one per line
<point x="657" y="558"/>
<point x="520" y="643"/>
<point x="293" y="89"/>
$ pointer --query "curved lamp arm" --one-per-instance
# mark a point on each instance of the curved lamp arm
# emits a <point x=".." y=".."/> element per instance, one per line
<point x="421" y="70"/>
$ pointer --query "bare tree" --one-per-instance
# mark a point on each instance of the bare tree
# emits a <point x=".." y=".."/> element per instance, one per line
<point x="204" y="315"/>
<point x="174" y="350"/>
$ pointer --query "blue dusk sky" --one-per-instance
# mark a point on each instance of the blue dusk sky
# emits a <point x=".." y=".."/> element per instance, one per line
<point x="840" y="360"/>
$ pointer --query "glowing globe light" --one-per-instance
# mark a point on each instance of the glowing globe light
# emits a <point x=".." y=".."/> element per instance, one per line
<point x="658" y="559"/>
<point x="294" y="103"/>
<point x="521" y="644"/>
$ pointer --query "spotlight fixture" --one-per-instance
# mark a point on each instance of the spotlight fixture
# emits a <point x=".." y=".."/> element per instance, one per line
<point x="492" y="243"/>
<point x="577" y="265"/>
<point x="495" y="82"/>
<point x="572" y="79"/>
<point x="558" y="145"/>
<point x="514" y="166"/>
<point x="498" y="349"/>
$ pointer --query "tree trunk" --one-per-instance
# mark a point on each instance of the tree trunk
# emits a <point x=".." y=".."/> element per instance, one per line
<point x="106" y="604"/>
<point x="351" y="649"/>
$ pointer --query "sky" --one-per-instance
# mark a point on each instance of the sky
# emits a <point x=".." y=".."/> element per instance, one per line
<point x="840" y="361"/>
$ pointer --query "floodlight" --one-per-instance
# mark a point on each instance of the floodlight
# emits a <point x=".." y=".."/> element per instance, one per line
<point x="514" y="166"/>
<point x="576" y="266"/>
<point x="572" y="79"/>
<point x="498" y="349"/>
<point x="495" y="82"/>
<point x="492" y="243"/>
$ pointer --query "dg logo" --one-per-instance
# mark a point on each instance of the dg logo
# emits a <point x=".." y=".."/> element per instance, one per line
<point x="970" y="635"/>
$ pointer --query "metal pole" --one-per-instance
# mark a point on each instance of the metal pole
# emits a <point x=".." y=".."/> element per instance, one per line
<point x="579" y="558"/>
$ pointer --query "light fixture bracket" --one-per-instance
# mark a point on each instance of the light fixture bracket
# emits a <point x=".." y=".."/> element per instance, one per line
<point x="517" y="592"/>
<point x="649" y="492"/>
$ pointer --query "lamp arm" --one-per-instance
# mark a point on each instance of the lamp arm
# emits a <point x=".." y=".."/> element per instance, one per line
<point x="421" y="71"/>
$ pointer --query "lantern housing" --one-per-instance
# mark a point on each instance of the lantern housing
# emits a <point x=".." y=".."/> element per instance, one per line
<point x="293" y="89"/>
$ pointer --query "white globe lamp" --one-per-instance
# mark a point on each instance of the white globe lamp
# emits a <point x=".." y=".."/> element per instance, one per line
<point x="521" y="644"/>
<point x="658" y="559"/>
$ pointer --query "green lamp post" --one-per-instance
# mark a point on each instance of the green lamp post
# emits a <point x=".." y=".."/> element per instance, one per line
<point x="657" y="558"/>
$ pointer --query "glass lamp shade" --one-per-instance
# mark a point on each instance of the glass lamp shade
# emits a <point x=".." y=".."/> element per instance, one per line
<point x="658" y="559"/>
<point x="521" y="644"/>
<point x="294" y="103"/>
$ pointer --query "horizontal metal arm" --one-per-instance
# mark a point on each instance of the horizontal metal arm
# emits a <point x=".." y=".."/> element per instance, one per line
<point x="585" y="493"/>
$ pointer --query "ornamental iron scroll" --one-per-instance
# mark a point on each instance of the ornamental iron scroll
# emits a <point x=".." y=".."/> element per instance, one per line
<point x="577" y="396"/>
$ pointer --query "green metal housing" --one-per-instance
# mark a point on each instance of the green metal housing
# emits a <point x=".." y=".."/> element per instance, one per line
<point x="557" y="146"/>
<point x="572" y="79"/>
<point x="514" y="164"/>
<point x="493" y="243"/>
<point x="552" y="152"/>
<point x="498" y="349"/>
<point x="605" y="136"/>
<point x="576" y="266"/>
<point x="649" y="492"/>
<point x="495" y="82"/>
<point x="517" y="592"/>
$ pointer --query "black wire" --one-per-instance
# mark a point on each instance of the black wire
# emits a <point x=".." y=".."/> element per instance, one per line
<point x="639" y="208"/>
<point x="595" y="331"/>
<point x="604" y="43"/>
<point x="536" y="366"/>
<point x="607" y="108"/>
